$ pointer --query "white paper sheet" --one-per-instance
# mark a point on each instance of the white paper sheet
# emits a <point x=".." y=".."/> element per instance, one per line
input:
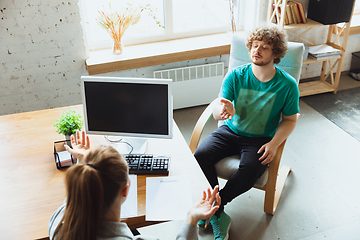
<point x="65" y="158"/>
<point x="129" y="207"/>
<point x="167" y="198"/>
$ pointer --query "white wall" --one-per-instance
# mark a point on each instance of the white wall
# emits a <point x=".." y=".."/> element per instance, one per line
<point x="42" y="55"/>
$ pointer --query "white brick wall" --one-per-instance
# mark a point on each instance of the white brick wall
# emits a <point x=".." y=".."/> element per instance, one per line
<point x="42" y="54"/>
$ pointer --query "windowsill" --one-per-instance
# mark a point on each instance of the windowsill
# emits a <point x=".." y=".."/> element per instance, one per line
<point x="150" y="54"/>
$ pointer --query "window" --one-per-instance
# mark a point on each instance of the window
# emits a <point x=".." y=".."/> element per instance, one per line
<point x="180" y="18"/>
<point x="355" y="20"/>
<point x="357" y="8"/>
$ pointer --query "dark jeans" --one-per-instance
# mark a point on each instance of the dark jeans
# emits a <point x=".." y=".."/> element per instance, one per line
<point x="222" y="143"/>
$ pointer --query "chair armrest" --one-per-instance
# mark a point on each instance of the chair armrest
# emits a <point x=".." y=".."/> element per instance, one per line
<point x="274" y="165"/>
<point x="199" y="127"/>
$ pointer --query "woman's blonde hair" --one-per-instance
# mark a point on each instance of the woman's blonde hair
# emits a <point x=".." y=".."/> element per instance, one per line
<point x="273" y="35"/>
<point x="91" y="190"/>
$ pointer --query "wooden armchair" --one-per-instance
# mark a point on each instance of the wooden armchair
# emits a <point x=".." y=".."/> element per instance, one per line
<point x="273" y="179"/>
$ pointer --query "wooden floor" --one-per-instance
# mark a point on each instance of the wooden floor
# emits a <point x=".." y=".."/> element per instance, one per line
<point x="321" y="198"/>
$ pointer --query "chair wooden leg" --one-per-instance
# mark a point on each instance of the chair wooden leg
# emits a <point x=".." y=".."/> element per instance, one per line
<point x="273" y="190"/>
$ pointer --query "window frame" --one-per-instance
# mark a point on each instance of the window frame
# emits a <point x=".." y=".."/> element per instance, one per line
<point x="168" y="34"/>
<point x="355" y="27"/>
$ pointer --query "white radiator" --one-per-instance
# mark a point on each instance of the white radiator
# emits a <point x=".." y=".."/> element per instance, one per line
<point x="195" y="85"/>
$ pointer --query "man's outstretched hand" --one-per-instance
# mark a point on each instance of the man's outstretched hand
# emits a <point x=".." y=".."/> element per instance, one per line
<point x="228" y="110"/>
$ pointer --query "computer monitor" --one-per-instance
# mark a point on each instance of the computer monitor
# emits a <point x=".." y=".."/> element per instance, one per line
<point x="133" y="108"/>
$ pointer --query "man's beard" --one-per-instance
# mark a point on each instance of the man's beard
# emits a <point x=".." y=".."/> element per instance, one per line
<point x="261" y="63"/>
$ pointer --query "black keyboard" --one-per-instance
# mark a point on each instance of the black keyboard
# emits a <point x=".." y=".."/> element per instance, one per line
<point x="147" y="164"/>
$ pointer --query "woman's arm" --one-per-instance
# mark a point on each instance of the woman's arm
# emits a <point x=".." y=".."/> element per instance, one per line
<point x="80" y="148"/>
<point x="201" y="210"/>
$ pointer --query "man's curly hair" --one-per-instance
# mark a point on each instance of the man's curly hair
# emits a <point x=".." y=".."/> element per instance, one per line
<point x="272" y="35"/>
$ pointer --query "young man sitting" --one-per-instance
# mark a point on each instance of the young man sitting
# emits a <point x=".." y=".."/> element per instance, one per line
<point x="259" y="103"/>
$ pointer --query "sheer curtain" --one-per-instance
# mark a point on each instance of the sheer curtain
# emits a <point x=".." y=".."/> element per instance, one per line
<point x="252" y="13"/>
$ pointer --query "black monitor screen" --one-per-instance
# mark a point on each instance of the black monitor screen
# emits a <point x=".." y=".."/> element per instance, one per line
<point x="128" y="107"/>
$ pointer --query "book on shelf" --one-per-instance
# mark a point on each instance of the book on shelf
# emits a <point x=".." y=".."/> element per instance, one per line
<point x="300" y="7"/>
<point x="295" y="21"/>
<point x="294" y="13"/>
<point x="286" y="19"/>
<point x="297" y="12"/>
<point x="324" y="56"/>
<point x="289" y="14"/>
<point x="277" y="15"/>
<point x="323" y="51"/>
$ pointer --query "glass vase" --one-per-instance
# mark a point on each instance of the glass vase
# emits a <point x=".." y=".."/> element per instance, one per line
<point x="118" y="48"/>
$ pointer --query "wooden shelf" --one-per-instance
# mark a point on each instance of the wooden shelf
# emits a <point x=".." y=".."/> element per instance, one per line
<point x="312" y="60"/>
<point x="314" y="87"/>
<point x="309" y="24"/>
<point x="328" y="69"/>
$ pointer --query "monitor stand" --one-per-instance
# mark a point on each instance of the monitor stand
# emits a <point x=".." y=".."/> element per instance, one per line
<point x="137" y="145"/>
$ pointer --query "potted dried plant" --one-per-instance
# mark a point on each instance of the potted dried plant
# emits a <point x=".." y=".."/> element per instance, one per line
<point x="116" y="22"/>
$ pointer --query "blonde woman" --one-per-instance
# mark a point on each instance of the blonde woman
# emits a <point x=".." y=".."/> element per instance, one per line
<point x="96" y="189"/>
